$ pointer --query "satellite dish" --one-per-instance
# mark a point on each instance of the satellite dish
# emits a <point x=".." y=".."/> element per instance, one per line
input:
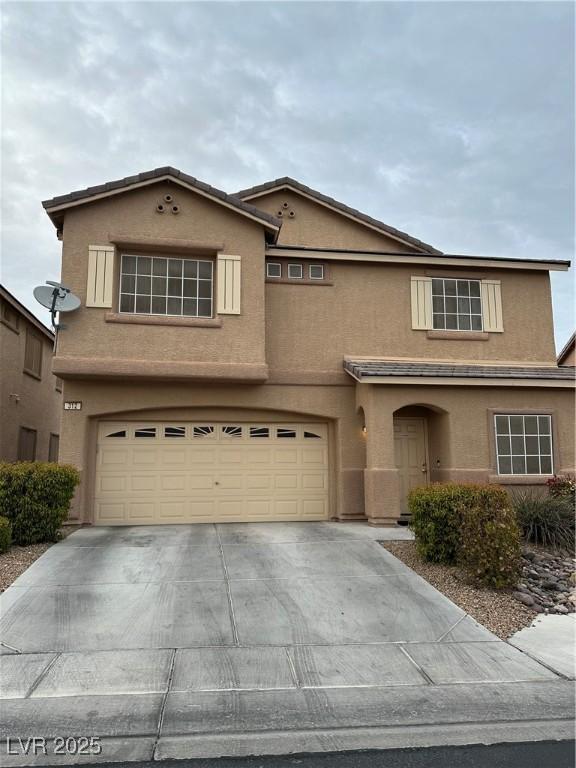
<point x="56" y="299"/>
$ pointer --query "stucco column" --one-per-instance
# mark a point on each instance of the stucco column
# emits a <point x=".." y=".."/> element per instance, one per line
<point x="381" y="478"/>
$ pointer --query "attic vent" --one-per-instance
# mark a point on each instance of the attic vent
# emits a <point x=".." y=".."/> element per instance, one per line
<point x="167" y="198"/>
<point x="284" y="205"/>
<point x="280" y="214"/>
<point x="160" y="208"/>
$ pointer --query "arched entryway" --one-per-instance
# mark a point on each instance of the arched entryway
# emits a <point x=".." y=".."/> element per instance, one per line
<point x="421" y="448"/>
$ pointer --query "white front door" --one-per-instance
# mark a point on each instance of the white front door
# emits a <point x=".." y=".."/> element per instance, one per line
<point x="182" y="472"/>
<point x="411" y="455"/>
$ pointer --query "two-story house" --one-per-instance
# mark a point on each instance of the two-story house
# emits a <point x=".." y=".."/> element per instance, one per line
<point x="276" y="355"/>
<point x="30" y="395"/>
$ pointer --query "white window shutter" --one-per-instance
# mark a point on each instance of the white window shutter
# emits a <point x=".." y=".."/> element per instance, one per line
<point x="100" y="276"/>
<point x="492" y="306"/>
<point x="421" y="293"/>
<point x="228" y="285"/>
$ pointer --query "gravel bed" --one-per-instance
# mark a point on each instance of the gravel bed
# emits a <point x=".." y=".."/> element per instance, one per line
<point x="17" y="560"/>
<point x="497" y="611"/>
<point x="548" y="581"/>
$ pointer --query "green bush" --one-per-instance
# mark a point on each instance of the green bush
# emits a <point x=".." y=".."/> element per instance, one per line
<point x="436" y="521"/>
<point x="546" y="519"/>
<point x="5" y="534"/>
<point x="490" y="538"/>
<point x="35" y="496"/>
<point x="473" y="525"/>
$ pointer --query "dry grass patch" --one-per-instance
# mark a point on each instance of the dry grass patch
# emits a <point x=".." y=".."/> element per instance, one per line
<point x="497" y="610"/>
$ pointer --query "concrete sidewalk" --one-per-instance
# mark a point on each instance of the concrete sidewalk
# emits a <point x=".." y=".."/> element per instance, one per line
<point x="180" y="641"/>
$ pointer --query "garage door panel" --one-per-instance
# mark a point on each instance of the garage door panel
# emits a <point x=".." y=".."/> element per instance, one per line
<point x="215" y="472"/>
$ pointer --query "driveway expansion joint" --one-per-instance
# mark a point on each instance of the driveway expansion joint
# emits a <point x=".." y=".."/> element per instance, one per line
<point x="42" y="675"/>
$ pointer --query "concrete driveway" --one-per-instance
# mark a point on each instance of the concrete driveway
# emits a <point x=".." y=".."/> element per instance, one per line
<point x="204" y="640"/>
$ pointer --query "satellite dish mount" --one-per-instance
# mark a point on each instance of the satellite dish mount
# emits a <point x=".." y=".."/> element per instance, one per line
<point x="57" y="298"/>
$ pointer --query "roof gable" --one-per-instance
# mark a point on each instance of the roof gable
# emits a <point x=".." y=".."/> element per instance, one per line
<point x="285" y="182"/>
<point x="6" y="296"/>
<point x="57" y="206"/>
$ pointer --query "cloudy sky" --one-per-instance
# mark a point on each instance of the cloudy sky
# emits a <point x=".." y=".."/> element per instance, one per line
<point x="453" y="121"/>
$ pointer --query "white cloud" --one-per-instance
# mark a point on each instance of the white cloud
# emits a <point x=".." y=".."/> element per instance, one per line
<point x="435" y="117"/>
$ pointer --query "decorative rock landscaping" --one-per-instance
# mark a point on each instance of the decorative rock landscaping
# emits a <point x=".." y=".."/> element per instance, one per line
<point x="548" y="582"/>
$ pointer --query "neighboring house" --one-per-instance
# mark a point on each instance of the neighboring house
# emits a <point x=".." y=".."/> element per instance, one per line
<point x="568" y="354"/>
<point x="31" y="396"/>
<point x="277" y="355"/>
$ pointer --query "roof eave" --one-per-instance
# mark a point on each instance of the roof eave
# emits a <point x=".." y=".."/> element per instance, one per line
<point x="56" y="207"/>
<point x="286" y="182"/>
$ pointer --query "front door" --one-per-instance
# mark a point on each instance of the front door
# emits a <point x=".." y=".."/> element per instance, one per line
<point x="411" y="456"/>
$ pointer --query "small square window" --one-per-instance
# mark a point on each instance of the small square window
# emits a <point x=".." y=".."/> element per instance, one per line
<point x="273" y="269"/>
<point x="316" y="271"/>
<point x="295" y="271"/>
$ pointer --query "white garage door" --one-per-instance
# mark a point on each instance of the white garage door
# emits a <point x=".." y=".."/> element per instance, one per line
<point x="204" y="472"/>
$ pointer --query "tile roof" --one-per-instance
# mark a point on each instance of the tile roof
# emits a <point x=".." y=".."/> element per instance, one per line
<point x="149" y="176"/>
<point x="362" y="369"/>
<point x="286" y="181"/>
<point x="566" y="349"/>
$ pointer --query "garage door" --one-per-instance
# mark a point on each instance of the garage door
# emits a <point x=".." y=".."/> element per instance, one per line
<point x="204" y="472"/>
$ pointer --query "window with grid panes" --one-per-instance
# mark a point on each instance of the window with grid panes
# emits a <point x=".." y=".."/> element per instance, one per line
<point x="523" y="444"/>
<point x="159" y="285"/>
<point x="456" y="304"/>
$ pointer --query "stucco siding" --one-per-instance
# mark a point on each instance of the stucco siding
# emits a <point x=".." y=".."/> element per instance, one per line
<point x="26" y="401"/>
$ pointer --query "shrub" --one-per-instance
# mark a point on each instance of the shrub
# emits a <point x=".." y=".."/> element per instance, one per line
<point x="546" y="520"/>
<point x="436" y="521"/>
<point x="5" y="534"/>
<point x="35" y="497"/>
<point x="489" y="546"/>
<point x="562" y="486"/>
<point x="473" y="525"/>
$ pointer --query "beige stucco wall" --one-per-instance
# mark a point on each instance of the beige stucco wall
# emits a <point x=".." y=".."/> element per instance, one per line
<point x="38" y="405"/>
<point x="317" y="226"/>
<point x="570" y="358"/>
<point x="366" y="312"/>
<point x="461" y="434"/>
<point x="240" y="339"/>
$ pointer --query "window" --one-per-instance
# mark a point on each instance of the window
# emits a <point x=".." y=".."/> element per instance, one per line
<point x="311" y="435"/>
<point x="523" y="444"/>
<point x="27" y="444"/>
<point x="145" y="432"/>
<point x="10" y="316"/>
<point x="53" y="446"/>
<point x="231" y="431"/>
<point x="284" y="432"/>
<point x="259" y="432"/>
<point x="316" y="271"/>
<point x="33" y="354"/>
<point x="120" y="433"/>
<point x="295" y="271"/>
<point x="203" y="431"/>
<point x="273" y="269"/>
<point x="456" y="305"/>
<point x="154" y="285"/>
<point x="174" y="431"/>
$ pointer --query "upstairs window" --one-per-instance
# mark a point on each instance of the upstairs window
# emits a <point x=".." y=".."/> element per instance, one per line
<point x="156" y="285"/>
<point x="33" y="354"/>
<point x="456" y="305"/>
<point x="273" y="269"/>
<point x="295" y="271"/>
